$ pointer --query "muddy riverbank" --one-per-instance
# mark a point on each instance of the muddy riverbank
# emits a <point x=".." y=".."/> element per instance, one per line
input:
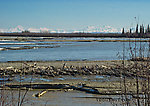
<point x="98" y="82"/>
<point x="72" y="39"/>
<point x="57" y="68"/>
<point x="72" y="68"/>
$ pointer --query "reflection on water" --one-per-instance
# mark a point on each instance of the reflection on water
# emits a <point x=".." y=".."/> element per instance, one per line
<point x="38" y="78"/>
<point x="61" y="98"/>
<point x="78" y="38"/>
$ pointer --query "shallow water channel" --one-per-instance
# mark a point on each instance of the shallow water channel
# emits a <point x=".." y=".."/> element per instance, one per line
<point x="67" y="50"/>
<point x="62" y="98"/>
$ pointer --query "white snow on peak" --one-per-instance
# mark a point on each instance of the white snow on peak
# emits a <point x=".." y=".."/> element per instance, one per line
<point x="19" y="28"/>
<point x="33" y="30"/>
<point x="3" y="30"/>
<point x="99" y="29"/>
<point x="44" y="30"/>
<point x="88" y="29"/>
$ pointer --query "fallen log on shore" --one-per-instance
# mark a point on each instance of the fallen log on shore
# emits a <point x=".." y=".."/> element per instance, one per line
<point x="140" y="59"/>
<point x="39" y="86"/>
<point x="65" y="87"/>
<point x="40" y="94"/>
<point x="87" y="90"/>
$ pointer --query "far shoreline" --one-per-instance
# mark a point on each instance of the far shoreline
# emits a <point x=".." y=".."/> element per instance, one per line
<point x="60" y="63"/>
<point x="80" y="34"/>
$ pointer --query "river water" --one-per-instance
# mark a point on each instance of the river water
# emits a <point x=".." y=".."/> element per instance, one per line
<point x="69" y="50"/>
<point x="63" y="98"/>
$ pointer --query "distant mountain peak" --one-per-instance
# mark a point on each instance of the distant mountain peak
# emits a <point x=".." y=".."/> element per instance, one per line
<point x="19" y="28"/>
<point x="103" y="28"/>
<point x="88" y="29"/>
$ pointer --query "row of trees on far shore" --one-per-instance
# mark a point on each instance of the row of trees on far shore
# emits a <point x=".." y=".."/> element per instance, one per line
<point x="140" y="30"/>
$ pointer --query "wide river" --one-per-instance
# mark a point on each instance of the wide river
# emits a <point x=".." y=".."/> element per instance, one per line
<point x="68" y="50"/>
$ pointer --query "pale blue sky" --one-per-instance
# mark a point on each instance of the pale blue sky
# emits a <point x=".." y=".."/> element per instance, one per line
<point x="73" y="14"/>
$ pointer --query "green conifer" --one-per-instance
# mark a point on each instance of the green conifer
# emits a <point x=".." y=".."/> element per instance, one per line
<point x="123" y="31"/>
<point x="148" y="30"/>
<point x="137" y="29"/>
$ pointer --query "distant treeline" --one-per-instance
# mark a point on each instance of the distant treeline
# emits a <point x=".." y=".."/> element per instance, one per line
<point x="114" y="35"/>
<point x="140" y="31"/>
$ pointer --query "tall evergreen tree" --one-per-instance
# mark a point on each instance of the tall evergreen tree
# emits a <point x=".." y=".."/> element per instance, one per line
<point x="123" y="31"/>
<point x="137" y="29"/>
<point x="130" y="30"/>
<point x="142" y="29"/>
<point x="148" y="30"/>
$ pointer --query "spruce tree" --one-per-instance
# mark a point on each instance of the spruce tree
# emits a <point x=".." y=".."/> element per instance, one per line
<point x="123" y="31"/>
<point x="130" y="30"/>
<point x="148" y="30"/>
<point x="142" y="29"/>
<point x="137" y="29"/>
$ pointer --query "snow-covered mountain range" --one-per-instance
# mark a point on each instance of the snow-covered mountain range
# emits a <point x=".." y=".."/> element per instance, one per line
<point x="89" y="29"/>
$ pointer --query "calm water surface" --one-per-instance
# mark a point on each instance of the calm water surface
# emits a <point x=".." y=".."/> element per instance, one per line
<point x="68" y="51"/>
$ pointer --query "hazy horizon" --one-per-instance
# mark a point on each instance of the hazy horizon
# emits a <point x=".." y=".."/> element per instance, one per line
<point x="73" y="15"/>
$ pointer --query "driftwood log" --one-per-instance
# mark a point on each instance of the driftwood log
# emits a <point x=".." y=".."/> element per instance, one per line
<point x="40" y="94"/>
<point x="65" y="87"/>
